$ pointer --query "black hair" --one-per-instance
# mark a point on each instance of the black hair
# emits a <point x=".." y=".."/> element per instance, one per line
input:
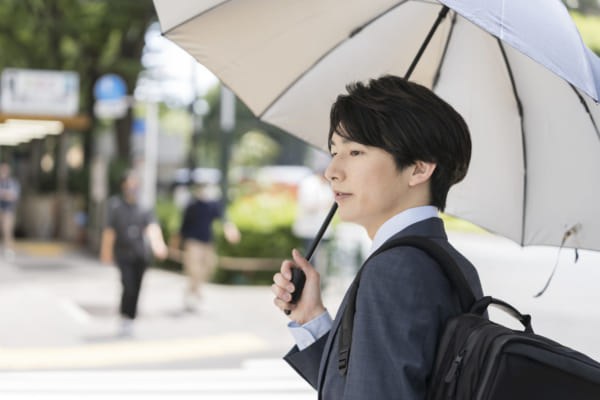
<point x="126" y="175"/>
<point x="411" y="123"/>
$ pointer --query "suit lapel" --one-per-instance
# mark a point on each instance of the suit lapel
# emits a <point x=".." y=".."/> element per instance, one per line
<point x="432" y="228"/>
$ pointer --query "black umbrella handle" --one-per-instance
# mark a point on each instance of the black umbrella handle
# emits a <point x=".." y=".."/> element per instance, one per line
<point x="298" y="277"/>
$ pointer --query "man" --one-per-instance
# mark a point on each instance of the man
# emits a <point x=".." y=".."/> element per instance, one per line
<point x="196" y="230"/>
<point x="396" y="150"/>
<point x="9" y="194"/>
<point x="129" y="231"/>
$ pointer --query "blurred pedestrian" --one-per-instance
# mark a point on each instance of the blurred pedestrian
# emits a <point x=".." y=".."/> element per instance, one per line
<point x="130" y="236"/>
<point x="9" y="195"/>
<point x="199" y="258"/>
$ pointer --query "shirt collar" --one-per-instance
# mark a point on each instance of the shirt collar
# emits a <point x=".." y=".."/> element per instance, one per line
<point x="401" y="221"/>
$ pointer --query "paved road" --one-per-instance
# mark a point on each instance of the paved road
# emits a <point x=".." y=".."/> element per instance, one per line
<point x="62" y="313"/>
<point x="59" y="336"/>
<point x="263" y="379"/>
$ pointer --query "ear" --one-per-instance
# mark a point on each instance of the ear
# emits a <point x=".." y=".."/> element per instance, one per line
<point x="421" y="172"/>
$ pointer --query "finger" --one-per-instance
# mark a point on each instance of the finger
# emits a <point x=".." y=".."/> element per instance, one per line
<point x="282" y="305"/>
<point x="281" y="293"/>
<point x="286" y="269"/>
<point x="283" y="283"/>
<point x="302" y="262"/>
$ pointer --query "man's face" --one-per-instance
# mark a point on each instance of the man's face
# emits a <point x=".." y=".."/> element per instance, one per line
<point x="4" y="171"/>
<point x="130" y="188"/>
<point x="368" y="187"/>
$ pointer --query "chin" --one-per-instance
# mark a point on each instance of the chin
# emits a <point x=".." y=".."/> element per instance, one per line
<point x="346" y="215"/>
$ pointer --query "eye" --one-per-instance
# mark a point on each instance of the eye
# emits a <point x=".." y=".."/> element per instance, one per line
<point x="354" y="153"/>
<point x="333" y="154"/>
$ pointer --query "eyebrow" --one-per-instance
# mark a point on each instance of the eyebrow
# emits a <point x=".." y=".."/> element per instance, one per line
<point x="344" y="140"/>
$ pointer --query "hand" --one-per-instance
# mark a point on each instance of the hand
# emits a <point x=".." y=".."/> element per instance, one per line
<point x="161" y="252"/>
<point x="310" y="305"/>
<point x="106" y="258"/>
<point x="232" y="233"/>
<point x="175" y="241"/>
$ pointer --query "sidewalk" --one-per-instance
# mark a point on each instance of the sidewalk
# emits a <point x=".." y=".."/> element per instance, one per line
<point x="59" y="310"/>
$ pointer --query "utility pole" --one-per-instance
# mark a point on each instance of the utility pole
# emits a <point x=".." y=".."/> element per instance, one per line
<point x="227" y="125"/>
<point x="149" y="180"/>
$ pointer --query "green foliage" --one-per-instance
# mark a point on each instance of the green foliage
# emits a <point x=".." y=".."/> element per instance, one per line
<point x="90" y="37"/>
<point x="79" y="179"/>
<point x="211" y="135"/>
<point x="265" y="221"/>
<point x="169" y="219"/>
<point x="583" y="6"/>
<point x="264" y="211"/>
<point x="116" y="169"/>
<point x="589" y="27"/>
<point x="460" y="225"/>
<point x="169" y="216"/>
<point x="255" y="148"/>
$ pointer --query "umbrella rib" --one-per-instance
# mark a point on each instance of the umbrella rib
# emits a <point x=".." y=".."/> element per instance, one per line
<point x="523" y="143"/>
<point x="436" y="77"/>
<point x="587" y="109"/>
<point x="195" y="16"/>
<point x="354" y="32"/>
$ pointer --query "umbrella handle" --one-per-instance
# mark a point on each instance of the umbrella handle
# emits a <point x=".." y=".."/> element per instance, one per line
<point x="298" y="277"/>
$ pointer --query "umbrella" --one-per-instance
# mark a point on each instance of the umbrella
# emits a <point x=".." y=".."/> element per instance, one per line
<point x="517" y="71"/>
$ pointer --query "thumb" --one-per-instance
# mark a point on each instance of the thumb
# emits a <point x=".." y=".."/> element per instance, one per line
<point x="302" y="262"/>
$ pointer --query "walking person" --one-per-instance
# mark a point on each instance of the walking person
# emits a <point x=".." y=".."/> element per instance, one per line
<point x="9" y="195"/>
<point x="199" y="258"/>
<point x="130" y="236"/>
<point x="396" y="149"/>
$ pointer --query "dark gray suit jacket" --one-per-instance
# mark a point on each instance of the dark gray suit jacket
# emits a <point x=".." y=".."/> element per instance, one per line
<point x="402" y="304"/>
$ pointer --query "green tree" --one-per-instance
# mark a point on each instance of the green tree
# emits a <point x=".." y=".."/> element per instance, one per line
<point x="589" y="27"/>
<point x="291" y="148"/>
<point x="583" y="6"/>
<point x="90" y="37"/>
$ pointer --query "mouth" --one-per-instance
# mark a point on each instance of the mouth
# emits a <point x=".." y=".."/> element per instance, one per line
<point x="341" y="195"/>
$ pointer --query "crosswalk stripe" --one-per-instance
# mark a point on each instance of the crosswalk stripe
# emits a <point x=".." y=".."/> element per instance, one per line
<point x="113" y="354"/>
<point x="256" y="379"/>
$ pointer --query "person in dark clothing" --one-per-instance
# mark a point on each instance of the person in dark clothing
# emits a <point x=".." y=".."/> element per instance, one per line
<point x="199" y="256"/>
<point x="396" y="149"/>
<point x="9" y="195"/>
<point x="130" y="236"/>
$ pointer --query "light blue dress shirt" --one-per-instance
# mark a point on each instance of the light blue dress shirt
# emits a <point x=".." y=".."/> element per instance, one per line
<point x="307" y="334"/>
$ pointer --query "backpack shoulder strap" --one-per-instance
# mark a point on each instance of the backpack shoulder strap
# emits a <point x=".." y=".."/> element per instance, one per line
<point x="450" y="268"/>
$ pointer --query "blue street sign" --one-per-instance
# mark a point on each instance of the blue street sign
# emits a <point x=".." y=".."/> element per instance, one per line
<point x="110" y="87"/>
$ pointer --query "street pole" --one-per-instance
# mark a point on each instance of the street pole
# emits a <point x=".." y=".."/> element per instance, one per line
<point x="150" y="156"/>
<point x="192" y="158"/>
<point x="227" y="123"/>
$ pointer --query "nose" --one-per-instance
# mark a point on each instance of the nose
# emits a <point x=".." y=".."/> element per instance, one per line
<point x="334" y="172"/>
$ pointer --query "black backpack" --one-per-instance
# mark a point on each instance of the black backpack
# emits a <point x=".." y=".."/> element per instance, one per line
<point x="478" y="359"/>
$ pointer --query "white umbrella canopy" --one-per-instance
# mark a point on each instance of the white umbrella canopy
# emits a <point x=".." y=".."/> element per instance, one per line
<point x="517" y="71"/>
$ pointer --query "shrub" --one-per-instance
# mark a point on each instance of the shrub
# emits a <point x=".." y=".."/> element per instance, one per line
<point x="265" y="221"/>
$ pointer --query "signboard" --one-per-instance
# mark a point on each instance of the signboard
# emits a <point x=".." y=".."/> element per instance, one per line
<point x="110" y="87"/>
<point x="40" y="92"/>
<point x="111" y="101"/>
